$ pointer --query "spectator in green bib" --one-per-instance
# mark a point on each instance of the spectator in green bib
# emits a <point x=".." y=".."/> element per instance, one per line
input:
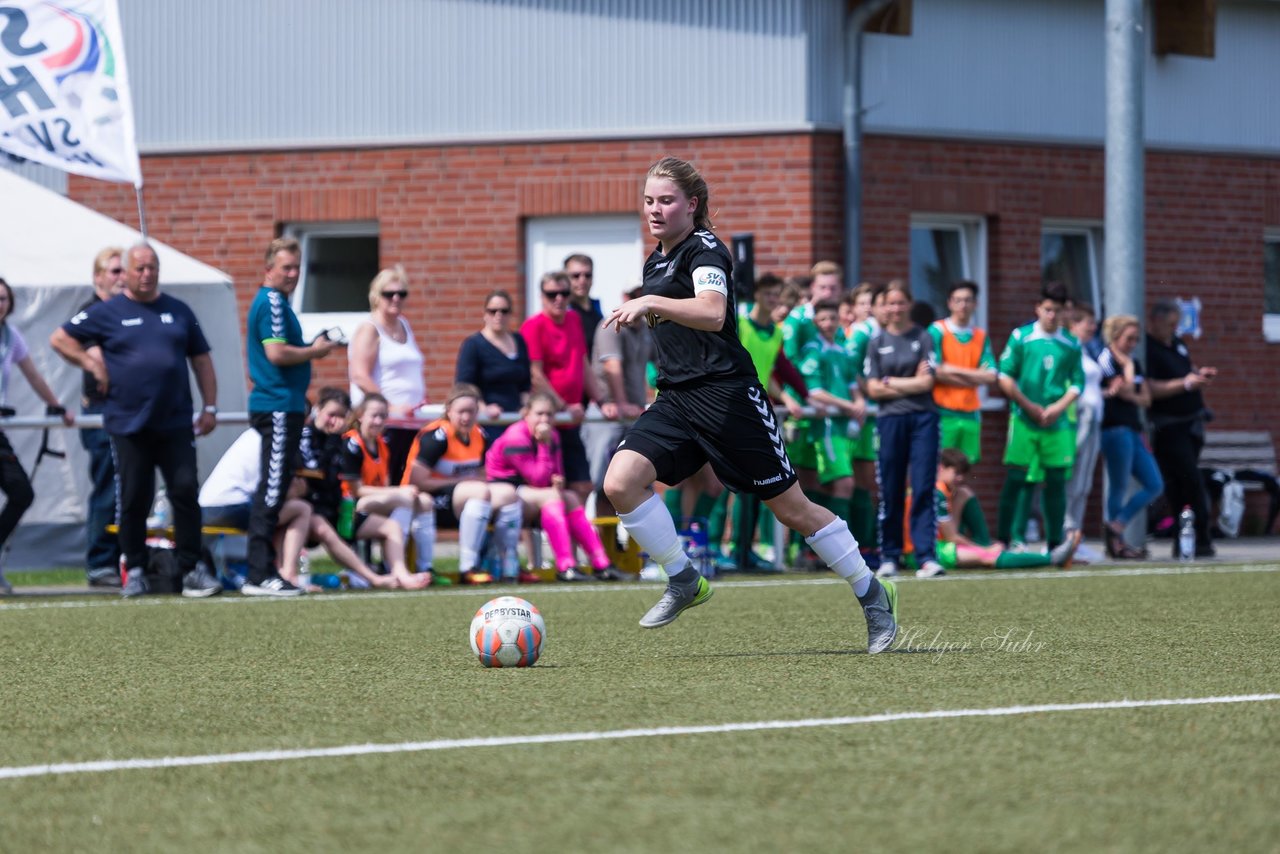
<point x="1042" y="375"/>
<point x="965" y="365"/>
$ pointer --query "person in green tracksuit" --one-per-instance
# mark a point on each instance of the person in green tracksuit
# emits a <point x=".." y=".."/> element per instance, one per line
<point x="1042" y="375"/>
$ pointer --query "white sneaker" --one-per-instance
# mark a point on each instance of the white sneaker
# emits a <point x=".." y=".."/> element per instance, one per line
<point x="272" y="585"/>
<point x="888" y="569"/>
<point x="930" y="569"/>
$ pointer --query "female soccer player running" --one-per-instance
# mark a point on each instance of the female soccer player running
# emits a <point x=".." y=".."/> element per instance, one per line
<point x="711" y="408"/>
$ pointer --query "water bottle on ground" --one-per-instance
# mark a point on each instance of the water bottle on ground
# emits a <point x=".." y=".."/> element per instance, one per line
<point x="304" y="569"/>
<point x="1187" y="534"/>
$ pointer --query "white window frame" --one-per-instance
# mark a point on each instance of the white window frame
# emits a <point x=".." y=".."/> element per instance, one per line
<point x="1093" y="233"/>
<point x="1270" y="322"/>
<point x="614" y="242"/>
<point x="973" y="258"/>
<point x="315" y="322"/>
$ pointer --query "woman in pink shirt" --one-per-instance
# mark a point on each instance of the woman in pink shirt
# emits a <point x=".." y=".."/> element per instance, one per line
<point x="528" y="456"/>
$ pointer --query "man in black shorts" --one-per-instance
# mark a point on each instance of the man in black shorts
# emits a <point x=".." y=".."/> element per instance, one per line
<point x="712" y="408"/>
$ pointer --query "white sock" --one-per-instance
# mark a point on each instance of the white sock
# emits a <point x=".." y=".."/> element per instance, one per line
<point x="424" y="540"/>
<point x="471" y="530"/>
<point x="402" y="516"/>
<point x="507" y="531"/>
<point x="839" y="550"/>
<point x="652" y="527"/>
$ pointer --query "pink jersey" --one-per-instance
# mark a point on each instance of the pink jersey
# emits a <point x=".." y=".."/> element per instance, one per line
<point x="516" y="457"/>
<point x="562" y="350"/>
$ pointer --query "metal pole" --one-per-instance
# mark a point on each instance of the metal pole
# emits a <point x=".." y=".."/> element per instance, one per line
<point x="854" y="21"/>
<point x="1123" y="263"/>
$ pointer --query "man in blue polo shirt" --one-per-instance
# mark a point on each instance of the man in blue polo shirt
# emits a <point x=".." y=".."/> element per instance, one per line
<point x="147" y="340"/>
<point x="280" y="369"/>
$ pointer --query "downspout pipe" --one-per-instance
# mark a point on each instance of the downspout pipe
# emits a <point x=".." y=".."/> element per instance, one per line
<point x="855" y="20"/>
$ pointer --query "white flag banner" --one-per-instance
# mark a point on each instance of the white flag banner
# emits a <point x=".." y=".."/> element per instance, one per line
<point x="64" y="89"/>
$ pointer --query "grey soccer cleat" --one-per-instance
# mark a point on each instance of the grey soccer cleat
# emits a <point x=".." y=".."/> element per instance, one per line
<point x="676" y="599"/>
<point x="200" y="582"/>
<point x="882" y="618"/>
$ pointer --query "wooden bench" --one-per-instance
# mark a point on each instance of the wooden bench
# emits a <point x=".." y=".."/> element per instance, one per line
<point x="1233" y="450"/>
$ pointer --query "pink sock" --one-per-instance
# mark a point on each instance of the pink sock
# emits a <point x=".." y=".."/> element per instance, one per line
<point x="557" y="530"/>
<point x="586" y="535"/>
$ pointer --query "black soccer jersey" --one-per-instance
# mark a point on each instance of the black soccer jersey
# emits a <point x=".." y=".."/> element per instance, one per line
<point x="683" y="354"/>
<point x="321" y="456"/>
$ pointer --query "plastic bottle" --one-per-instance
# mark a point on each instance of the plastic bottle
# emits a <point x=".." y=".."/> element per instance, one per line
<point x="327" y="580"/>
<point x="1187" y="534"/>
<point x="346" y="517"/>
<point x="304" y="570"/>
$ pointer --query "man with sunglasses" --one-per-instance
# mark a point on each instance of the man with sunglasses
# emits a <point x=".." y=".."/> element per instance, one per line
<point x="581" y="272"/>
<point x="280" y="370"/>
<point x="559" y="365"/>
<point x="102" y="549"/>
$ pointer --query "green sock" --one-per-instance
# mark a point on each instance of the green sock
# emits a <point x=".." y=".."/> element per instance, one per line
<point x="864" y="518"/>
<point x="1015" y="483"/>
<point x="973" y="524"/>
<point x="703" y="507"/>
<point x="1055" y="504"/>
<point x="766" y="526"/>
<point x="842" y="507"/>
<point x="716" y="521"/>
<point x="1021" y="560"/>
<point x="671" y="498"/>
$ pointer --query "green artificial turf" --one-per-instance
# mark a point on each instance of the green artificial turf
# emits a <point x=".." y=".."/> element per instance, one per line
<point x="160" y="677"/>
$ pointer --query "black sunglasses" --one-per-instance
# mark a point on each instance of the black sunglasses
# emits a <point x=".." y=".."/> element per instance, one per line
<point x="394" y="294"/>
<point x="497" y="311"/>
<point x="555" y="294"/>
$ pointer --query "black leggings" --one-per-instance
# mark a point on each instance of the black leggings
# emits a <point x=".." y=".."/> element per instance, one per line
<point x="16" y="486"/>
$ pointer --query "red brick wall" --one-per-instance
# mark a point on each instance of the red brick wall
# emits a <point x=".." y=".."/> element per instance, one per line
<point x="454" y="217"/>
<point x="1205" y="219"/>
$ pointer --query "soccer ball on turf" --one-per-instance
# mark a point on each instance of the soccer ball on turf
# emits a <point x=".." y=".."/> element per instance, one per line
<point x="507" y="632"/>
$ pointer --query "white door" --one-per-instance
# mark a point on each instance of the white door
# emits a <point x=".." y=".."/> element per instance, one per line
<point x="613" y="242"/>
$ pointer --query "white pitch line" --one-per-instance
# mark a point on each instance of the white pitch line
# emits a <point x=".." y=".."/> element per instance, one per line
<point x="105" y="765"/>
<point x="101" y="601"/>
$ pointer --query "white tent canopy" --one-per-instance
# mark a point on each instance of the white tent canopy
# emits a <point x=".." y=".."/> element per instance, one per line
<point x="47" y="246"/>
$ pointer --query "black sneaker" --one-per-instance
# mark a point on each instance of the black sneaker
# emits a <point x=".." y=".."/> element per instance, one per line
<point x="136" y="585"/>
<point x="570" y="574"/>
<point x="608" y="573"/>
<point x="272" y="585"/>
<point x="200" y="582"/>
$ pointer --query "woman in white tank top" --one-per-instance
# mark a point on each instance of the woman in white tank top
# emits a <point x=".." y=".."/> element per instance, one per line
<point x="384" y="358"/>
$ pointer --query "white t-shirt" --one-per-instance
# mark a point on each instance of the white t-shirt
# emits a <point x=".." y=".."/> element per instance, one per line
<point x="397" y="370"/>
<point x="1091" y="396"/>
<point x="13" y="349"/>
<point x="235" y="478"/>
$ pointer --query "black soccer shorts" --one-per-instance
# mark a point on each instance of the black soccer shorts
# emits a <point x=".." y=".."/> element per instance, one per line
<point x="729" y="423"/>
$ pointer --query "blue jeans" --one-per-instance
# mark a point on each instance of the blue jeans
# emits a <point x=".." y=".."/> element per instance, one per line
<point x="102" y="550"/>
<point x="908" y="452"/>
<point x="1126" y="454"/>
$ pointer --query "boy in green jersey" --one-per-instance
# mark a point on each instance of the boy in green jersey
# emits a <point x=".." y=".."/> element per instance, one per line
<point x="829" y="373"/>
<point x="1042" y="375"/>
<point x="868" y="317"/>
